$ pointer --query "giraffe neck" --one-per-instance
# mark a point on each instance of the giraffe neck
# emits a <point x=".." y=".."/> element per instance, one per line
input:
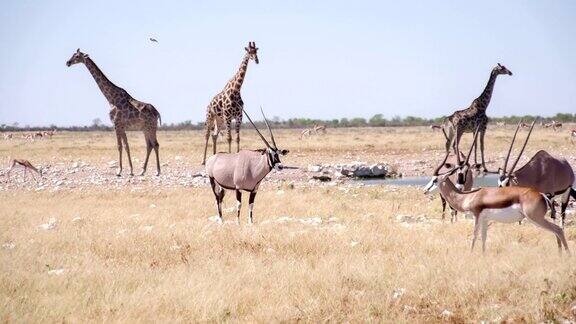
<point x="236" y="82"/>
<point x="484" y="99"/>
<point x="106" y="86"/>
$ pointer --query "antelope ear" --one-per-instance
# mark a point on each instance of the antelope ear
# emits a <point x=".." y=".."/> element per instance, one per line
<point x="284" y="152"/>
<point x="500" y="65"/>
<point x="246" y="48"/>
<point x="78" y="51"/>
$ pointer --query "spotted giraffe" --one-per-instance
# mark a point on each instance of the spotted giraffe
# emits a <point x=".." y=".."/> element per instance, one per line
<point x="467" y="120"/>
<point x="126" y="113"/>
<point x="227" y="106"/>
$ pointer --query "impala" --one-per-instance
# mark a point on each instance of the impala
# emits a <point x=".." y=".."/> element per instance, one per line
<point x="243" y="171"/>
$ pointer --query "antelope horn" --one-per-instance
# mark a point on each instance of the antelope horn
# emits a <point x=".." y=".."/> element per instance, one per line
<point x="269" y="129"/>
<point x="437" y="171"/>
<point x="472" y="146"/>
<point x="511" y="145"/>
<point x="256" y="128"/>
<point x="523" y="147"/>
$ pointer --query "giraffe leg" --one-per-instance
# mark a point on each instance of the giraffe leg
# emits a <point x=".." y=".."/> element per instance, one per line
<point x="238" y="125"/>
<point x="125" y="140"/>
<point x="157" y="152"/>
<point x="148" y="150"/>
<point x="229" y="135"/>
<point x="457" y="146"/>
<point x="207" y="135"/>
<point x="119" y="140"/>
<point x="482" y="133"/>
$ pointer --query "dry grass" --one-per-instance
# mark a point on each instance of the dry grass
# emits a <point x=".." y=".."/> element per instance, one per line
<point x="124" y="260"/>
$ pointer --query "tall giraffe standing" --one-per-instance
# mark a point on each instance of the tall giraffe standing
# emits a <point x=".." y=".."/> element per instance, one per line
<point x="467" y="120"/>
<point x="126" y="113"/>
<point x="227" y="106"/>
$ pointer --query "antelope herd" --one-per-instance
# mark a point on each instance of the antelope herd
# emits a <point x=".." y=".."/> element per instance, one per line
<point x="526" y="192"/>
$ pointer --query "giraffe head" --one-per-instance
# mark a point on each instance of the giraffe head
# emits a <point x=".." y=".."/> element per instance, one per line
<point x="252" y="51"/>
<point x="501" y="69"/>
<point x="77" y="57"/>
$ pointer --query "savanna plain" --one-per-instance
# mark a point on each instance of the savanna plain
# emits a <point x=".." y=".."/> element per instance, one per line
<point x="147" y="249"/>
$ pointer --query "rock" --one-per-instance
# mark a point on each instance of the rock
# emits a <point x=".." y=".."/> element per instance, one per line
<point x="314" y="168"/>
<point x="353" y="243"/>
<point x="362" y="171"/>
<point x="446" y="314"/>
<point x="56" y="272"/>
<point x="50" y="225"/>
<point x="398" y="292"/>
<point x="378" y="170"/>
<point x="8" y="246"/>
<point x="322" y="178"/>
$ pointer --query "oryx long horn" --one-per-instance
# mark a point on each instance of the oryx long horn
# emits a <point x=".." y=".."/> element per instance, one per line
<point x="437" y="171"/>
<point x="269" y="129"/>
<point x="473" y="144"/>
<point x="256" y="128"/>
<point x="511" y="145"/>
<point x="523" y="147"/>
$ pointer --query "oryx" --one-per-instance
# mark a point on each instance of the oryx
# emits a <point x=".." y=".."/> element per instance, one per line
<point x="545" y="173"/>
<point x="243" y="170"/>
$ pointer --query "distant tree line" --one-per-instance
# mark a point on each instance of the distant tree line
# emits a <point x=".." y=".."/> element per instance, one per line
<point x="377" y="120"/>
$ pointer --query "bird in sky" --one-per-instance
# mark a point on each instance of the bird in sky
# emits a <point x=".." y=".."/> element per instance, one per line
<point x="153" y="40"/>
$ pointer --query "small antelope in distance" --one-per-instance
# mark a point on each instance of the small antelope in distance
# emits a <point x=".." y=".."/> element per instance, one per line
<point x="572" y="135"/>
<point x="8" y="136"/>
<point x="243" y="171"/>
<point x="523" y="125"/>
<point x="26" y="164"/>
<point x="316" y="129"/>
<point x="501" y="124"/>
<point x="554" y="125"/>
<point x="505" y="205"/>
<point x="545" y="173"/>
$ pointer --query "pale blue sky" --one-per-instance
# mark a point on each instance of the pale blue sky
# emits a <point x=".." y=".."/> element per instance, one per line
<point x="328" y="59"/>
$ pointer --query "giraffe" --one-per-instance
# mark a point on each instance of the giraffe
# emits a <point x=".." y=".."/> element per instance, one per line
<point x="227" y="105"/>
<point x="467" y="120"/>
<point x="126" y="113"/>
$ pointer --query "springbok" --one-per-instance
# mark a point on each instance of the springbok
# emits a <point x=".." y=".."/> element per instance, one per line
<point x="545" y="173"/>
<point x="554" y="125"/>
<point x="505" y="205"/>
<point x="572" y="135"/>
<point x="524" y="125"/>
<point x="243" y="171"/>
<point x="27" y="165"/>
<point x="462" y="178"/>
<point x="319" y="129"/>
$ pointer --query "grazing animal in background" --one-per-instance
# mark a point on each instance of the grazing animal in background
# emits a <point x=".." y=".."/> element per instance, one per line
<point x="8" y="136"/>
<point x="27" y="166"/>
<point x="49" y="133"/>
<point x="227" y="105"/>
<point x="572" y="135"/>
<point x="243" y="171"/>
<point x="554" y="125"/>
<point x="126" y="113"/>
<point x="467" y="120"/>
<point x="501" y="124"/>
<point x="523" y="125"/>
<point x="435" y="127"/>
<point x="305" y="133"/>
<point x="545" y="173"/>
<point x="38" y="134"/>
<point x="319" y="129"/>
<point x="504" y="205"/>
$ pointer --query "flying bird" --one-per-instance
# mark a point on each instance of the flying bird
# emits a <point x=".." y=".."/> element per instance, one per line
<point x="153" y="40"/>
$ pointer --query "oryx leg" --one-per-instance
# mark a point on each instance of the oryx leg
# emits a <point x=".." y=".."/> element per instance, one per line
<point x="238" y="204"/>
<point x="127" y="148"/>
<point x="251" y="206"/>
<point x="453" y="215"/>
<point x="443" y="206"/>
<point x="119" y="143"/>
<point x="565" y="198"/>
<point x="219" y="195"/>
